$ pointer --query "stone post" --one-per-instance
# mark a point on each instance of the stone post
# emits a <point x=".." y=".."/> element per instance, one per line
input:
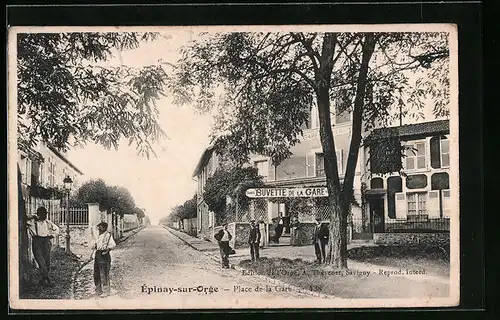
<point x="94" y="219"/>
<point x="109" y="220"/>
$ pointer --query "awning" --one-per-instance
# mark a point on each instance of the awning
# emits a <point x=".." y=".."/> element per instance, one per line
<point x="375" y="192"/>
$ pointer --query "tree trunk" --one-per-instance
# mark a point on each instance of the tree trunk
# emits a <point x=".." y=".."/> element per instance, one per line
<point x="24" y="264"/>
<point x="347" y="194"/>
<point x="335" y="256"/>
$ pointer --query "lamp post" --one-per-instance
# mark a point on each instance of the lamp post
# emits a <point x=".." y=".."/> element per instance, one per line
<point x="67" y="186"/>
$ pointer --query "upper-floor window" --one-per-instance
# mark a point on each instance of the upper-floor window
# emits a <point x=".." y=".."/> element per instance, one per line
<point x="342" y="116"/>
<point x="320" y="165"/>
<point x="415" y="156"/>
<point x="445" y="152"/>
<point x="52" y="172"/>
<point x="262" y="168"/>
<point x="28" y="171"/>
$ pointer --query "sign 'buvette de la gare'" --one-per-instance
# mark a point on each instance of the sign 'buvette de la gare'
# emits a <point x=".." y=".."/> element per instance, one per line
<point x="287" y="192"/>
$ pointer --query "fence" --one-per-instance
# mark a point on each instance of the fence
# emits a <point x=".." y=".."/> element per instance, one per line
<point x="397" y="226"/>
<point x="307" y="209"/>
<point x="78" y="216"/>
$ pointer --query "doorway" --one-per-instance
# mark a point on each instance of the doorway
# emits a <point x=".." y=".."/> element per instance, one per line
<point x="377" y="214"/>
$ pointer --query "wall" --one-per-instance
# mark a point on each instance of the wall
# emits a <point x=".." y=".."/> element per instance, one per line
<point x="81" y="235"/>
<point x="189" y="226"/>
<point x="240" y="236"/>
<point x="302" y="235"/>
<point x="440" y="239"/>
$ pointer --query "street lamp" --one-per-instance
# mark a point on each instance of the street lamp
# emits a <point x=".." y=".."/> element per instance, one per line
<point x="67" y="186"/>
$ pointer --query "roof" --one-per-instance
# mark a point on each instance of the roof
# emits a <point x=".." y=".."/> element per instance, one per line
<point x="207" y="153"/>
<point x="63" y="158"/>
<point x="414" y="130"/>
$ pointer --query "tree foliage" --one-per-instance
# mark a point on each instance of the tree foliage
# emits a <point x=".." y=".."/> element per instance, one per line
<point x="67" y="94"/>
<point x="113" y="198"/>
<point x="270" y="81"/>
<point x="139" y="213"/>
<point x="187" y="210"/>
<point x="230" y="182"/>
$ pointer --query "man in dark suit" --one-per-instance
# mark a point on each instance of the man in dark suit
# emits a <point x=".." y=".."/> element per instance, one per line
<point x="320" y="239"/>
<point x="254" y="240"/>
<point x="278" y="230"/>
<point x="223" y="237"/>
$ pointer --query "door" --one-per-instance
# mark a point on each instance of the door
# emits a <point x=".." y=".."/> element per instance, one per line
<point x="377" y="214"/>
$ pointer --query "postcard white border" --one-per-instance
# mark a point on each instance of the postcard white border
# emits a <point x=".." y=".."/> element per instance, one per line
<point x="239" y="302"/>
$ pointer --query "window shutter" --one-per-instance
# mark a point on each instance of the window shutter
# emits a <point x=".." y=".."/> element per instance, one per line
<point x="340" y="161"/>
<point x="311" y="164"/>
<point x="400" y="206"/>
<point x="433" y="204"/>
<point x="446" y="202"/>
<point x="435" y="152"/>
<point x="272" y="171"/>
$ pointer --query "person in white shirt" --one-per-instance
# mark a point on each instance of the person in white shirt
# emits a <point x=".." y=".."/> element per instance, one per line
<point x="102" y="259"/>
<point x="42" y="231"/>
<point x="223" y="237"/>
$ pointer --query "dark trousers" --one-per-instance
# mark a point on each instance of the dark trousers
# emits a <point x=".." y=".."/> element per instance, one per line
<point x="102" y="265"/>
<point x="41" y="250"/>
<point x="254" y="251"/>
<point x="224" y="253"/>
<point x="319" y="249"/>
<point x="279" y="232"/>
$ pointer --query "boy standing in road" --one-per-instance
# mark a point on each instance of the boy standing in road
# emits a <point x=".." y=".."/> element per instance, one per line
<point x="42" y="232"/>
<point x="254" y="240"/>
<point x="102" y="260"/>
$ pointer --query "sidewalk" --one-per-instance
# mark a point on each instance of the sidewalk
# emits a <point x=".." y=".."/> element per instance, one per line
<point x="306" y="253"/>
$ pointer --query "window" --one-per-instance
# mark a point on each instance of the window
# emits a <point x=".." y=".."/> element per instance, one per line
<point x="342" y="117"/>
<point x="416" y="181"/>
<point x="262" y="168"/>
<point x="445" y="152"/>
<point x="415" y="156"/>
<point x="28" y="171"/>
<point x="320" y="165"/>
<point x="52" y="172"/>
<point x="416" y="204"/>
<point x="41" y="177"/>
<point x="445" y="196"/>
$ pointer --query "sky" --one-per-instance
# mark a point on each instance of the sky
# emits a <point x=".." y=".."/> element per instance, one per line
<point x="157" y="184"/>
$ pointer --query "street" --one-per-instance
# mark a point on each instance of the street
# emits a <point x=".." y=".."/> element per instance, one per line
<point x="154" y="264"/>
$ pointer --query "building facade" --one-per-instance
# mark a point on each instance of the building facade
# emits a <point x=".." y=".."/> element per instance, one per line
<point x="418" y="198"/>
<point x="207" y="164"/>
<point x="43" y="169"/>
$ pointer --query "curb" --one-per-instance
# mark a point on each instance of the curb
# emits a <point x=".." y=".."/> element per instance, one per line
<point x="262" y="277"/>
<point x="74" y="276"/>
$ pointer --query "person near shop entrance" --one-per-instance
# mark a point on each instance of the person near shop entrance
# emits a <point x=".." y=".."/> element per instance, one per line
<point x="254" y="240"/>
<point x="223" y="237"/>
<point x="42" y="232"/>
<point x="320" y="239"/>
<point x="278" y="230"/>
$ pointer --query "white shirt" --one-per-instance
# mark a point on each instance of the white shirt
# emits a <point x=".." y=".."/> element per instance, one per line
<point x="43" y="228"/>
<point x="225" y="236"/>
<point x="105" y="241"/>
<point x="280" y="221"/>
